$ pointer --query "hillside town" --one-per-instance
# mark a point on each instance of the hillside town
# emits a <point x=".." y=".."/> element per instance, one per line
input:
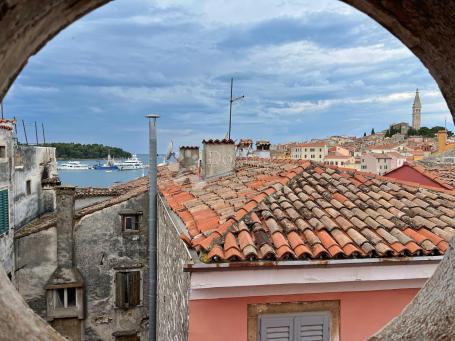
<point x="242" y="230"/>
<point x="229" y="215"/>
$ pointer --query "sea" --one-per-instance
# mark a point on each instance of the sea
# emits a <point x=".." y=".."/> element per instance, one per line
<point x="102" y="178"/>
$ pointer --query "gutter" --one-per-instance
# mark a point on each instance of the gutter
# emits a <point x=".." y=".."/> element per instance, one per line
<point x="268" y="265"/>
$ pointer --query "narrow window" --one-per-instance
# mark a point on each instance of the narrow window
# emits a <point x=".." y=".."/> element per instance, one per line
<point x="2" y="152"/>
<point x="128" y="289"/>
<point x="130" y="222"/>
<point x="28" y="187"/>
<point x="65" y="297"/>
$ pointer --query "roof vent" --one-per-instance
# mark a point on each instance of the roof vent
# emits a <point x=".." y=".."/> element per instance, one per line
<point x="188" y="157"/>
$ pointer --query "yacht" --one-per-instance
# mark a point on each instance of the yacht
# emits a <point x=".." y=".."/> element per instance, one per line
<point x="131" y="163"/>
<point x="108" y="166"/>
<point x="73" y="165"/>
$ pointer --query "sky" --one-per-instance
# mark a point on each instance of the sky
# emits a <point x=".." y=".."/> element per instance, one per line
<point x="308" y="69"/>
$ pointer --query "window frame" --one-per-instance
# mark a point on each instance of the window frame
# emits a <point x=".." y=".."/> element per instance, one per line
<point x="65" y="298"/>
<point x="5" y="156"/>
<point x="28" y="187"/>
<point x="123" y="304"/>
<point x="255" y="310"/>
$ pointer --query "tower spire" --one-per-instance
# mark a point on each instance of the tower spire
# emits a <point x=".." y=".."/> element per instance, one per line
<point x="416" y="110"/>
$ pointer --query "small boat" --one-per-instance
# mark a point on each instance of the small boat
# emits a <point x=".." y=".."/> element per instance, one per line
<point x="131" y="163"/>
<point x="109" y="165"/>
<point x="73" y="165"/>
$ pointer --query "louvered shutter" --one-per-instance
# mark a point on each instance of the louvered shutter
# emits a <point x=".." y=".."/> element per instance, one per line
<point x="134" y="286"/>
<point x="276" y="328"/>
<point x="120" y="289"/>
<point x="312" y="327"/>
<point x="4" y="211"/>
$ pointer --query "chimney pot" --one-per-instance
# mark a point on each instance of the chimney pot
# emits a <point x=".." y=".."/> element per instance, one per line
<point x="218" y="157"/>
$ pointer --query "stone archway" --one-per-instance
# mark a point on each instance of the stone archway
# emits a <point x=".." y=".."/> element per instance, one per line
<point x="425" y="27"/>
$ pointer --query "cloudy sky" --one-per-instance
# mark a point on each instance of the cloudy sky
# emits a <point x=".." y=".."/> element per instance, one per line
<point x="307" y="69"/>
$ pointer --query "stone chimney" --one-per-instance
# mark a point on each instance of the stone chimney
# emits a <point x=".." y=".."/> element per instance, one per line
<point x="218" y="158"/>
<point x="442" y="140"/>
<point x="188" y="157"/>
<point x="65" y="223"/>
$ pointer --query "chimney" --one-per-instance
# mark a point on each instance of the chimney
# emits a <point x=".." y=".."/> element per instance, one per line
<point x="188" y="157"/>
<point x="65" y="223"/>
<point x="218" y="158"/>
<point x="442" y="140"/>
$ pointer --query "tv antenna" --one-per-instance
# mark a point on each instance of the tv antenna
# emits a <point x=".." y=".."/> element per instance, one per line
<point x="232" y="100"/>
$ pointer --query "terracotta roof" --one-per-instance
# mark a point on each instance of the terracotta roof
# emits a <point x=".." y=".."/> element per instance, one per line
<point x="216" y="141"/>
<point x="440" y="172"/>
<point x="123" y="192"/>
<point x="286" y="210"/>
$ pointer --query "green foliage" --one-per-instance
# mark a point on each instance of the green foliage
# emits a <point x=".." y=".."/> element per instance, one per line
<point x="364" y="134"/>
<point x="390" y="132"/>
<point x="427" y="132"/>
<point x="86" y="151"/>
<point x="372" y="131"/>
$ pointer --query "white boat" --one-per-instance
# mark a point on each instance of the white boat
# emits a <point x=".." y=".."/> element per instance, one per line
<point x="73" y="165"/>
<point x="131" y="163"/>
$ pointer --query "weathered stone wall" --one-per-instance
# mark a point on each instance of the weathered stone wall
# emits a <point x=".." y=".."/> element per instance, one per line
<point x="36" y="260"/>
<point x="6" y="176"/>
<point x="173" y="283"/>
<point x="100" y="248"/>
<point x="431" y="315"/>
<point x="17" y="320"/>
<point x="30" y="162"/>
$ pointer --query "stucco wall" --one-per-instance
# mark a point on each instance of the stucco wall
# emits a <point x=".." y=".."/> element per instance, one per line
<point x="6" y="173"/>
<point x="100" y="249"/>
<point x="30" y="163"/>
<point x="173" y="283"/>
<point x="361" y="313"/>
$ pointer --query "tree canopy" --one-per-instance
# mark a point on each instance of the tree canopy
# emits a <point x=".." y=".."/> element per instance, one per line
<point x="86" y="151"/>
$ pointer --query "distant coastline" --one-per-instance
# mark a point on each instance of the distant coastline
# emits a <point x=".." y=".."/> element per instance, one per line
<point x="67" y="151"/>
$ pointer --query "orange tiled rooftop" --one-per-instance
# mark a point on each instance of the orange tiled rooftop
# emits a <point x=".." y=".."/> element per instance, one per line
<point x="285" y="210"/>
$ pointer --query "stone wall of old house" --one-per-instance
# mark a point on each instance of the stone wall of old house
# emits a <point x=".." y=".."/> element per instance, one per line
<point x="30" y="164"/>
<point x="173" y="283"/>
<point x="101" y="248"/>
<point x="6" y="176"/>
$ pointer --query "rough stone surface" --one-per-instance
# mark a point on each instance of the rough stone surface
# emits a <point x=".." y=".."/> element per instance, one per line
<point x="17" y="320"/>
<point x="173" y="283"/>
<point x="431" y="315"/>
<point x="100" y="248"/>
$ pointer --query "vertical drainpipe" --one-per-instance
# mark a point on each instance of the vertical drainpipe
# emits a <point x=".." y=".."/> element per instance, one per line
<point x="152" y="228"/>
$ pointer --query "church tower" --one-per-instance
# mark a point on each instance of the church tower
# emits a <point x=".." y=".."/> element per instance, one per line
<point x="416" y="109"/>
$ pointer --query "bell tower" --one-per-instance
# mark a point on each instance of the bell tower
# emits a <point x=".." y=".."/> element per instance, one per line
<point x="416" y="109"/>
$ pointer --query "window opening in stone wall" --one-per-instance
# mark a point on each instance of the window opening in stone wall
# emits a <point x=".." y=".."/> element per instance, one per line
<point x="65" y="297"/>
<point x="130" y="222"/>
<point x="2" y="152"/>
<point x="128" y="287"/>
<point x="28" y="187"/>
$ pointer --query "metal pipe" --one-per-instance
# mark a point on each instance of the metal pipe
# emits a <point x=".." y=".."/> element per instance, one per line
<point x="36" y="134"/>
<point x="152" y="268"/>
<point x="44" y="136"/>
<point x="230" y="110"/>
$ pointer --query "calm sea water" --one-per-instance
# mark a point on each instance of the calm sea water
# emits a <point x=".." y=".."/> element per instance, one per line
<point x="101" y="178"/>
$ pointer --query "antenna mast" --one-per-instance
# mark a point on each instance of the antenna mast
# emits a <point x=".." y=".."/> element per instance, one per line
<point x="232" y="100"/>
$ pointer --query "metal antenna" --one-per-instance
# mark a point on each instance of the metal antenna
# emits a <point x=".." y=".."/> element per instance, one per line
<point x="25" y="133"/>
<point x="44" y="136"/>
<point x="36" y="134"/>
<point x="232" y="100"/>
